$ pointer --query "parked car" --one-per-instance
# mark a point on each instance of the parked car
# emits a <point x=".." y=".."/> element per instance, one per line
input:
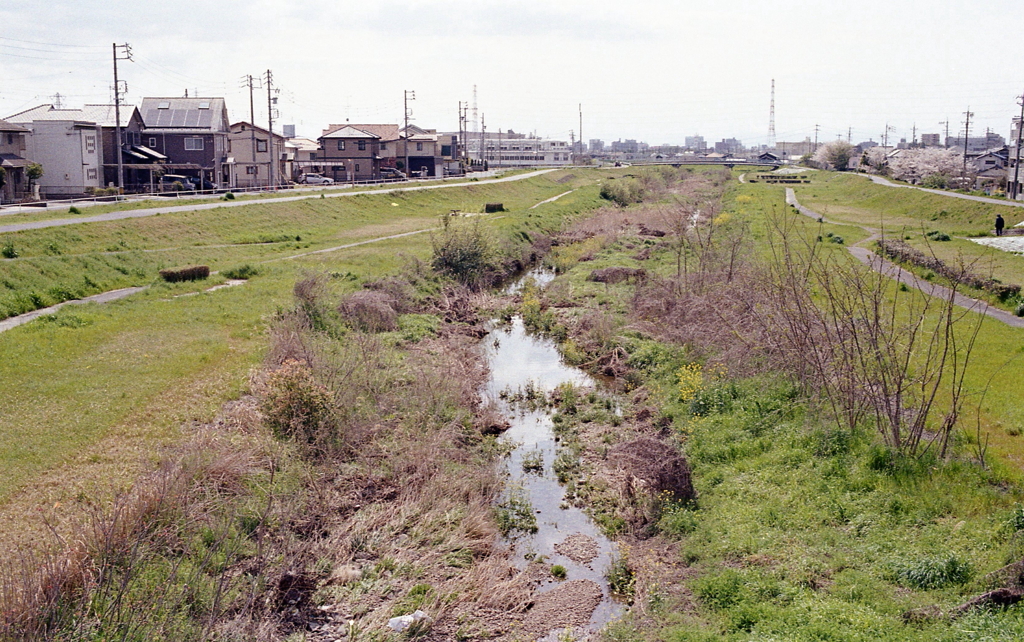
<point x="176" y="183"/>
<point x="390" y="173"/>
<point x="316" y="179"/>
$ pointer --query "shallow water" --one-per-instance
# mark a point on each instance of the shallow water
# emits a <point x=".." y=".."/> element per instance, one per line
<point x="518" y="360"/>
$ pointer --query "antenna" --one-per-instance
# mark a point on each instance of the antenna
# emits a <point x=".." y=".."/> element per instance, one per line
<point x="771" y="120"/>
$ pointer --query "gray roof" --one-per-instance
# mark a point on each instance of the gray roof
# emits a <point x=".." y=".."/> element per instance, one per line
<point x="192" y="113"/>
<point x="350" y="132"/>
<point x="11" y="127"/>
<point x="102" y="115"/>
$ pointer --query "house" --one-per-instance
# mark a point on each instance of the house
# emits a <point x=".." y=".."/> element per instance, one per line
<point x="768" y="158"/>
<point x="420" y="147"/>
<point x="68" y="149"/>
<point x="13" y="161"/>
<point x="249" y="157"/>
<point x="350" y="154"/>
<point x="303" y="157"/>
<point x="191" y="132"/>
<point x="137" y="161"/>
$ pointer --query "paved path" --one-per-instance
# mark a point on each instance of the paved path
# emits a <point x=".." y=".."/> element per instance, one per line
<point x="116" y="216"/>
<point x="552" y="199"/>
<point x="889" y="269"/>
<point x="103" y="297"/>
<point x="941" y="192"/>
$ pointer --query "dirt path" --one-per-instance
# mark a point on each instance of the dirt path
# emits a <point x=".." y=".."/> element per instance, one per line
<point x="893" y="271"/>
<point x="116" y="216"/>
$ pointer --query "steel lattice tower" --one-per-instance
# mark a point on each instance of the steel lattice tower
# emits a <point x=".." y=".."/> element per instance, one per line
<point x="771" y="120"/>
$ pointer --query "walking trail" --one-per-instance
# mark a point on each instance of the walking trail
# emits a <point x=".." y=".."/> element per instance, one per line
<point x="941" y="192"/>
<point x="891" y="270"/>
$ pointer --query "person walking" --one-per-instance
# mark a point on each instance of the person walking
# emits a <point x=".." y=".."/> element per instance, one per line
<point x="999" y="224"/>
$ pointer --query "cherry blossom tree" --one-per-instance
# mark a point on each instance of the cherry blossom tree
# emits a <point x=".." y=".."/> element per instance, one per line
<point x="835" y="154"/>
<point x="931" y="165"/>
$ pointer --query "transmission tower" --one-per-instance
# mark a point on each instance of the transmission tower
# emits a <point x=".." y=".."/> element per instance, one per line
<point x="771" y="120"/>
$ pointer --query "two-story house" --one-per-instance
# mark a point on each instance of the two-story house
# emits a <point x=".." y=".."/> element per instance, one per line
<point x="13" y="161"/>
<point x="350" y="154"/>
<point x="69" y="149"/>
<point x="191" y="132"/>
<point x="250" y="154"/>
<point x="137" y="161"/>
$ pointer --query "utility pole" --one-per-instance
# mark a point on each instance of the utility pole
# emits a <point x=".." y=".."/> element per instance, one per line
<point x="572" y="145"/>
<point x="1016" y="163"/>
<point x="462" y="131"/>
<point x="967" y="134"/>
<point x="126" y="54"/>
<point x="816" y="128"/>
<point x="581" y="132"/>
<point x="913" y="137"/>
<point x="945" y="141"/>
<point x="270" y="126"/>
<point x="483" y="141"/>
<point x="248" y="81"/>
<point x="407" y="96"/>
<point x="849" y="135"/>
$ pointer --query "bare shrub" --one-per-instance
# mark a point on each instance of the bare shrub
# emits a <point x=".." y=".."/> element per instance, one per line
<point x="310" y="294"/>
<point x="616" y="274"/>
<point x="401" y="292"/>
<point x="370" y="311"/>
<point x="865" y="347"/>
<point x="296" y="406"/>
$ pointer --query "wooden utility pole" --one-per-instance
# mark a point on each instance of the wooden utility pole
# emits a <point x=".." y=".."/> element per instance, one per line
<point x="581" y="131"/>
<point x="967" y="134"/>
<point x="1016" y="162"/>
<point x="270" y="126"/>
<point x="252" y="127"/>
<point x="483" y="142"/>
<point x="127" y="55"/>
<point x="407" y="96"/>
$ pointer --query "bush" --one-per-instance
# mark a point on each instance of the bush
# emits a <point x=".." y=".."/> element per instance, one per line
<point x="8" y="251"/>
<point x="295" y="406"/>
<point x="931" y="572"/>
<point x="370" y="311"/>
<point x="241" y="272"/>
<point x="464" y="253"/>
<point x="230" y="196"/>
<point x="74" y="210"/>
<point x="623" y="191"/>
<point x="558" y="571"/>
<point x="936" y="235"/>
<point x="191" y="273"/>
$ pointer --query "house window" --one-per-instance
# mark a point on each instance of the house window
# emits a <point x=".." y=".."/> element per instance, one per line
<point x="193" y="144"/>
<point x="419" y="147"/>
<point x="252" y="169"/>
<point x="90" y="174"/>
<point x="312" y="156"/>
<point x="261" y="145"/>
<point x="357" y="167"/>
<point x="362" y="145"/>
<point x="152" y="141"/>
<point x="90" y="144"/>
<point x="10" y="139"/>
<point x="383" y="147"/>
<point x="341" y="145"/>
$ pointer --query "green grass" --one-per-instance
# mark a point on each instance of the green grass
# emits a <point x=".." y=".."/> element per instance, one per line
<point x="58" y="264"/>
<point x="97" y="386"/>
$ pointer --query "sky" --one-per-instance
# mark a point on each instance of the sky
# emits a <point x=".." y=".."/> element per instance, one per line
<point x="651" y="70"/>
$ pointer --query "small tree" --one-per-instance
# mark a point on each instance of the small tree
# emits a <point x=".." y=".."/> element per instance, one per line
<point x="835" y="154"/>
<point x="34" y="171"/>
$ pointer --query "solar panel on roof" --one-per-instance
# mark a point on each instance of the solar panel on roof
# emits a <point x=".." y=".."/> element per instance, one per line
<point x="164" y="105"/>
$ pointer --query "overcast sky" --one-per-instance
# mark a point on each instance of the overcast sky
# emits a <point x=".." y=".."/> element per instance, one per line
<point x="652" y="70"/>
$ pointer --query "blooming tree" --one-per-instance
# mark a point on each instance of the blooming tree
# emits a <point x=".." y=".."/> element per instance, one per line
<point x="835" y="154"/>
<point x="926" y="165"/>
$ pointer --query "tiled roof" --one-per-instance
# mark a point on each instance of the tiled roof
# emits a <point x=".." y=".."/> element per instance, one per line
<point x="102" y="115"/>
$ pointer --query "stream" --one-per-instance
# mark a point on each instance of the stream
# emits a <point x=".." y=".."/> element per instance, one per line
<point x="519" y="361"/>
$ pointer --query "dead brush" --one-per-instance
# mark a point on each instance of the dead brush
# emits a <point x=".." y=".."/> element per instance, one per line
<point x="370" y="311"/>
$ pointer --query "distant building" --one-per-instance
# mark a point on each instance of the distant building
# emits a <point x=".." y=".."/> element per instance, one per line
<point x="977" y="144"/>
<point x="790" y="149"/>
<point x="729" y="146"/>
<point x="596" y="145"/>
<point x="696" y="143"/>
<point x="509" y="149"/>
<point x="931" y="140"/>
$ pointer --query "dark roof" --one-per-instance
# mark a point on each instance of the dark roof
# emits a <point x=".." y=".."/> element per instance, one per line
<point x="11" y="127"/>
<point x="185" y="113"/>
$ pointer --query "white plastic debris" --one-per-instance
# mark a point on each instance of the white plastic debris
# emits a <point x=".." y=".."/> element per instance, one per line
<point x="402" y="622"/>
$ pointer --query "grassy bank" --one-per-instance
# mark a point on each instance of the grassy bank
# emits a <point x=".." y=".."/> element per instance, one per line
<point x="802" y="528"/>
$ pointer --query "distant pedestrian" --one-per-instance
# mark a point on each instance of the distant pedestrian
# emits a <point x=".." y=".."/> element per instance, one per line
<point x="999" y="224"/>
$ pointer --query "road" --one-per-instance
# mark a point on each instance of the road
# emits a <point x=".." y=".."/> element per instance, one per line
<point x="893" y="271"/>
<point x="116" y="216"/>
